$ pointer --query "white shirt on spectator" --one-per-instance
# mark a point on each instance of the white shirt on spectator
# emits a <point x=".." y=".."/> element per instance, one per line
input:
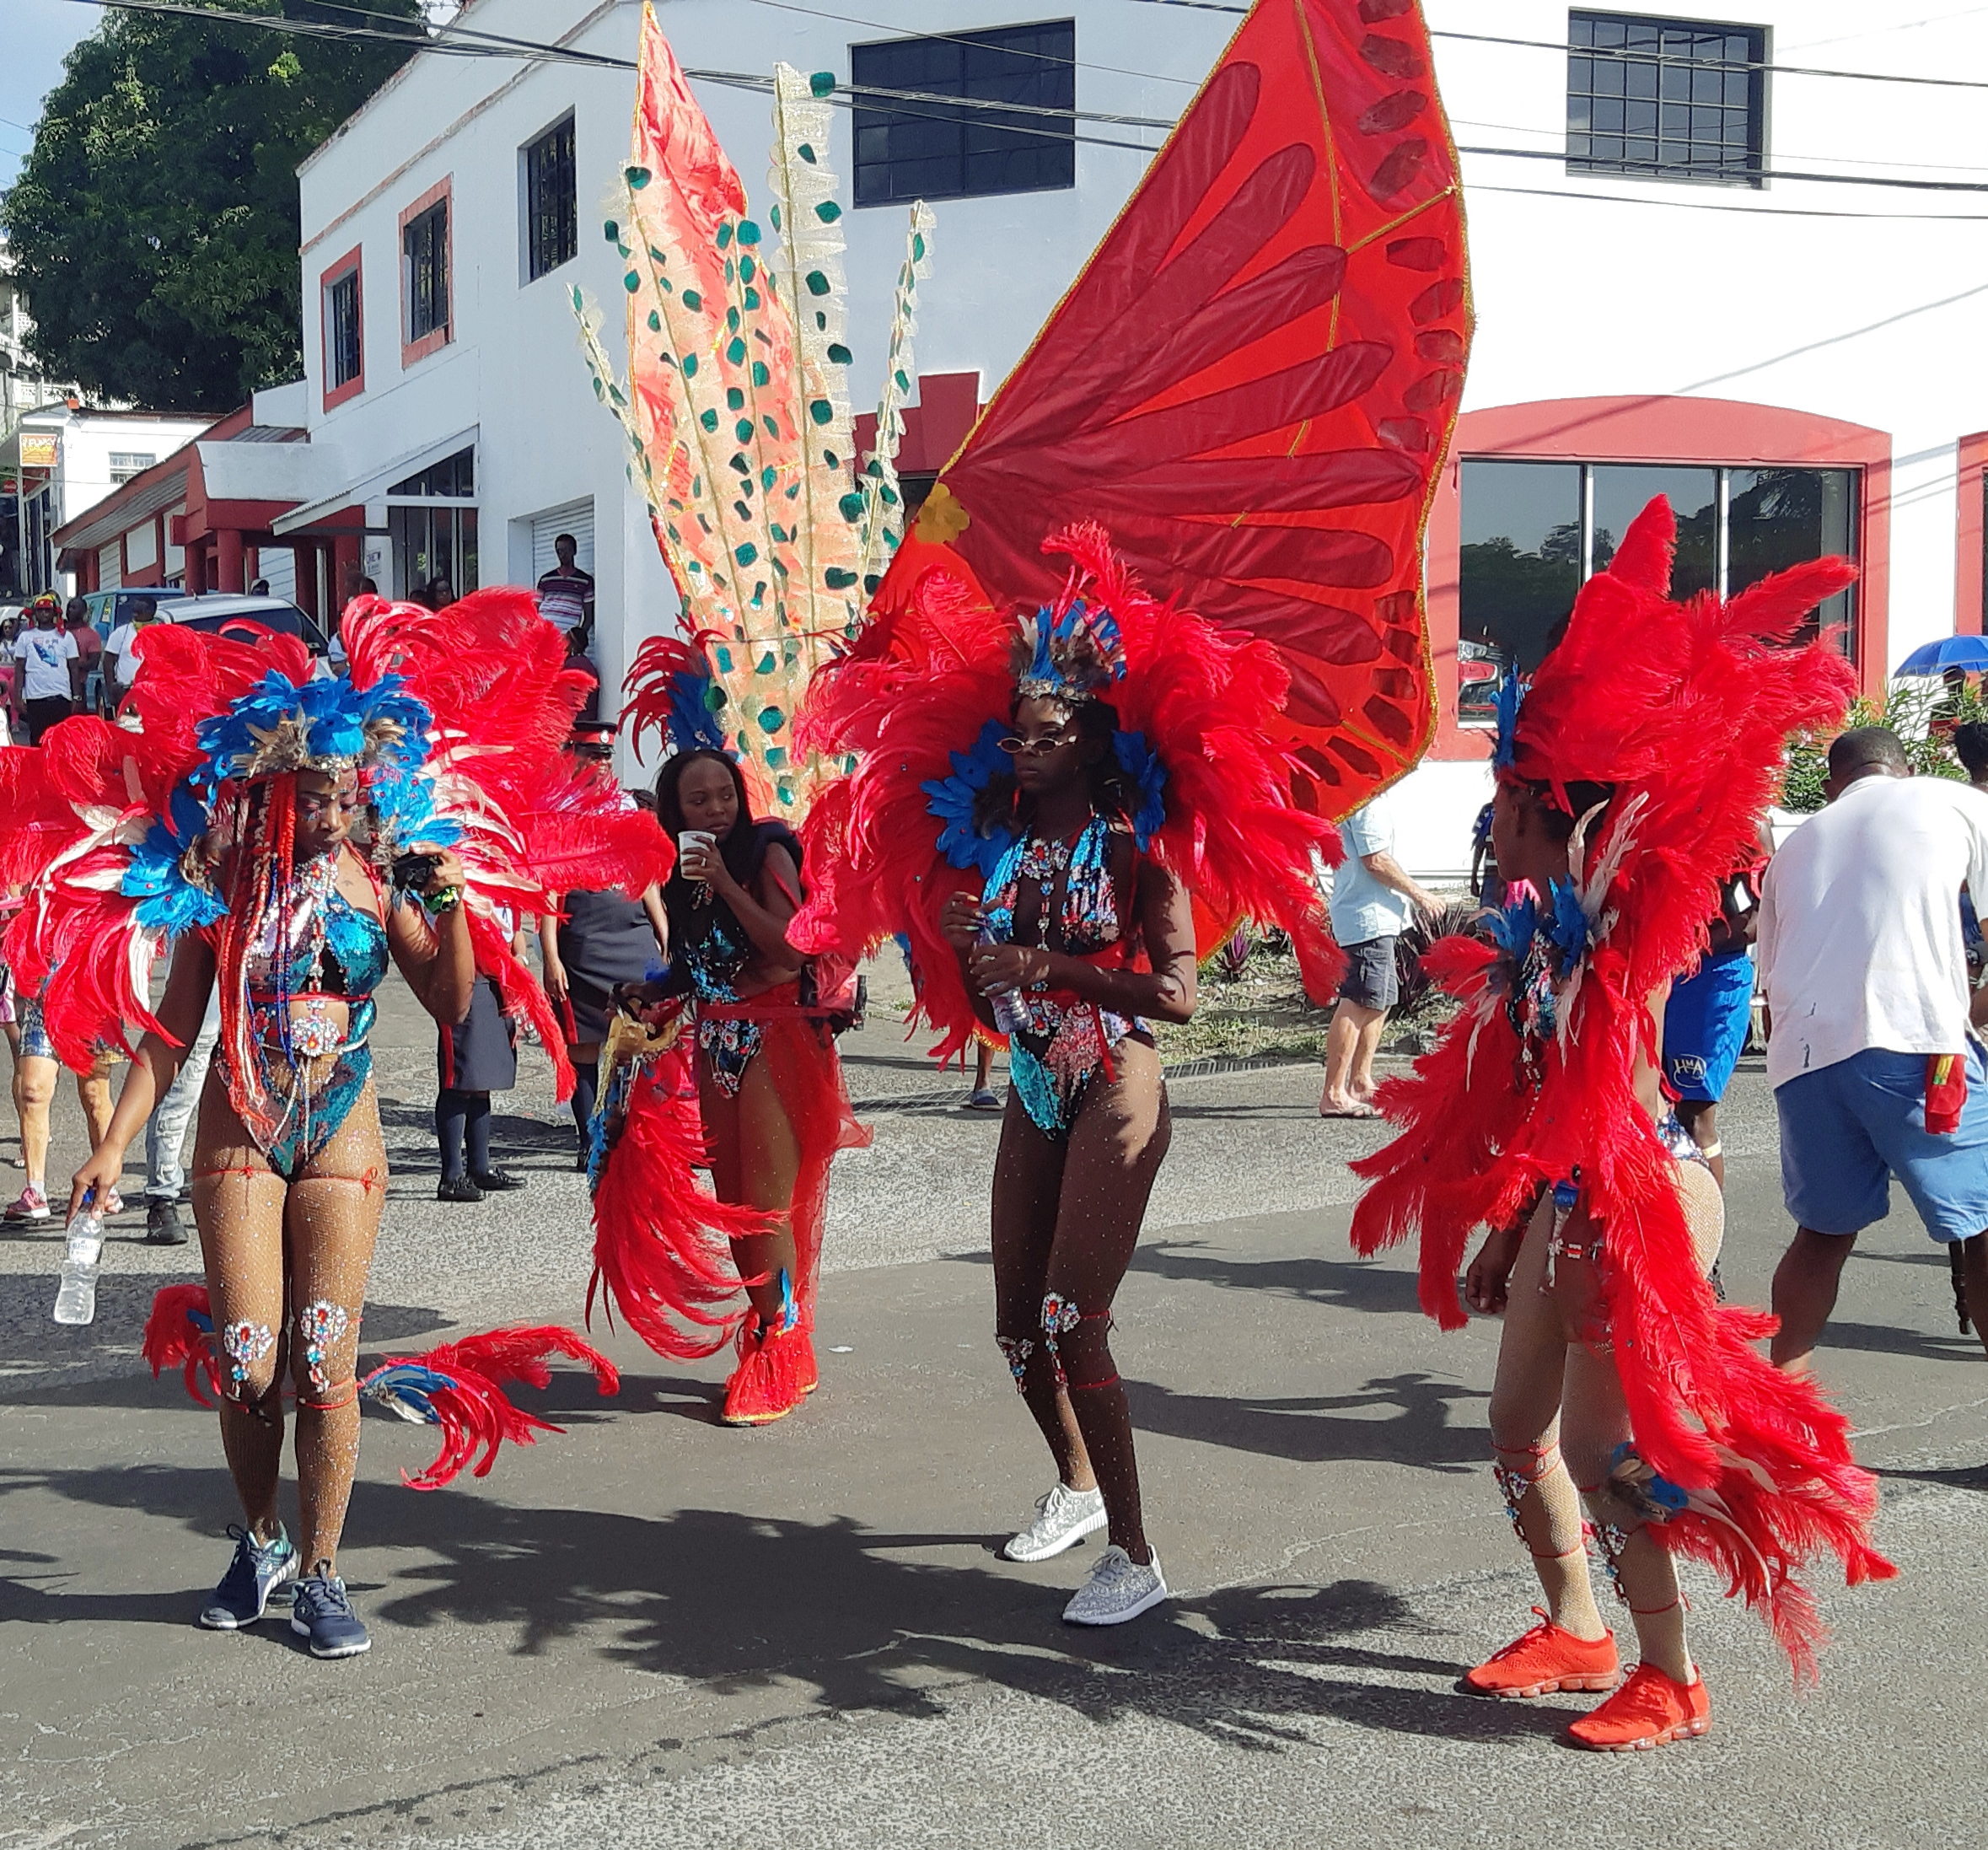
<point x="117" y="649"/>
<point x="47" y="654"/>
<point x="1363" y="908"/>
<point x="1859" y="942"/>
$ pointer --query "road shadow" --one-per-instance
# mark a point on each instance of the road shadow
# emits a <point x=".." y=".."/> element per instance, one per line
<point x="1966" y="1477"/>
<point x="526" y="1142"/>
<point x="1350" y="1284"/>
<point x="1324" y="1429"/>
<point x="833" y="1611"/>
<point x="109" y="1345"/>
<point x="1882" y="1339"/>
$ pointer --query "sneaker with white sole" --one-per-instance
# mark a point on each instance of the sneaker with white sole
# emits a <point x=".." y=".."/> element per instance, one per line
<point x="259" y="1571"/>
<point x="323" y="1614"/>
<point x="32" y="1205"/>
<point x="1063" y="1518"/>
<point x="1118" y="1590"/>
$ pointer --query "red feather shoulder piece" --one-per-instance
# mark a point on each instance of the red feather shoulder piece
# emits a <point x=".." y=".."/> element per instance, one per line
<point x="921" y="702"/>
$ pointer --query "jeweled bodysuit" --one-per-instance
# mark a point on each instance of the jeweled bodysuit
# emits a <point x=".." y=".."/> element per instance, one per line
<point x="315" y="948"/>
<point x="716" y="961"/>
<point x="1059" y="1041"/>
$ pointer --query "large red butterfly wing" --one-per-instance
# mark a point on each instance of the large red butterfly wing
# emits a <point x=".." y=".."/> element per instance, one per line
<point x="1253" y="382"/>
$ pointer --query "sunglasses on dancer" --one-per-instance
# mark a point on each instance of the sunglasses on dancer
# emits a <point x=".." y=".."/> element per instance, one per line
<point x="1040" y="747"/>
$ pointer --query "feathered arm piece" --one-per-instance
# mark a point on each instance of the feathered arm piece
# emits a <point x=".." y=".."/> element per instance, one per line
<point x="461" y="1388"/>
<point x="179" y="1334"/>
<point x="662" y="1253"/>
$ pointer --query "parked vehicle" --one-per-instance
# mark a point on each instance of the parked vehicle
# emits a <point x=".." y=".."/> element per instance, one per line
<point x="217" y="610"/>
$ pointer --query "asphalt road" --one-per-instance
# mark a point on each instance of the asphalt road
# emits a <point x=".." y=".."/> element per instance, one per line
<point x="654" y="1631"/>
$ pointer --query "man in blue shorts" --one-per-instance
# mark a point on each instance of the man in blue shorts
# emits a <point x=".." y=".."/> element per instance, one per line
<point x="1706" y="1019"/>
<point x="1860" y="951"/>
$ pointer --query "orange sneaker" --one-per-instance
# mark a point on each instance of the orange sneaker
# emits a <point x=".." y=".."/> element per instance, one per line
<point x="766" y="1384"/>
<point x="1547" y="1659"/>
<point x="1648" y="1710"/>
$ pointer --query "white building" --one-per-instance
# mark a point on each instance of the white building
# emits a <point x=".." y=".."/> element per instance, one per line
<point x="1763" y="300"/>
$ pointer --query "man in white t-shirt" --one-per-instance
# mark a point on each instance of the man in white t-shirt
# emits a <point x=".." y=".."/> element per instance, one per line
<point x="121" y="661"/>
<point x="42" y="693"/>
<point x="1373" y="901"/>
<point x="1861" y="953"/>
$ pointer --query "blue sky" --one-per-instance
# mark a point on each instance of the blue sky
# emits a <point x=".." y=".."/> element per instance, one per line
<point x="38" y="34"/>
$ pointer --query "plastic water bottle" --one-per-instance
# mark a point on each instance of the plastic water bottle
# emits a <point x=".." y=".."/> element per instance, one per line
<point x="75" y="1297"/>
<point x="1007" y="1011"/>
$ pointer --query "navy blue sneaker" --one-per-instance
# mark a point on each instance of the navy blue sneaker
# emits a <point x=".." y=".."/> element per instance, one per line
<point x="258" y="1570"/>
<point x="322" y="1613"/>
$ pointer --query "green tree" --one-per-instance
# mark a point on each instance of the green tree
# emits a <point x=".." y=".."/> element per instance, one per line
<point x="154" y="227"/>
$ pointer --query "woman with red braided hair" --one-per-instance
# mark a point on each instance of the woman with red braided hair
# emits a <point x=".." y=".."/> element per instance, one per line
<point x="1628" y="784"/>
<point x="296" y="833"/>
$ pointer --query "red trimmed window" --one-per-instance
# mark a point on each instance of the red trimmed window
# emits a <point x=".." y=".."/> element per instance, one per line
<point x="340" y="296"/>
<point x="425" y="279"/>
<point x="1535" y="498"/>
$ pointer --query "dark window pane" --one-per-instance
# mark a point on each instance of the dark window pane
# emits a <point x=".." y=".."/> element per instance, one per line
<point x="342" y="352"/>
<point x="1622" y="490"/>
<point x="552" y="202"/>
<point x="1711" y="127"/>
<point x="917" y="146"/>
<point x="1776" y="518"/>
<point x="1520" y="567"/>
<point x="425" y="252"/>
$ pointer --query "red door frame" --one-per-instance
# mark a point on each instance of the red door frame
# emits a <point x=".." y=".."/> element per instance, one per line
<point x="1701" y="431"/>
<point x="1969" y="592"/>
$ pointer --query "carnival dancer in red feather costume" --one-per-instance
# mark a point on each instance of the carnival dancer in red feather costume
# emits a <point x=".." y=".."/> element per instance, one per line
<point x="747" y="1079"/>
<point x="295" y="832"/>
<point x="1039" y="807"/>
<point x="1628" y="783"/>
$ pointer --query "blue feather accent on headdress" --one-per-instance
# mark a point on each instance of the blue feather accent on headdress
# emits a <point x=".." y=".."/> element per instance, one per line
<point x="1049" y="670"/>
<point x="1569" y="929"/>
<point x="155" y="875"/>
<point x="1510" y="693"/>
<point x="693" y="722"/>
<point x="339" y="723"/>
<point x="1140" y="763"/>
<point x="1511" y="929"/>
<point x="953" y="800"/>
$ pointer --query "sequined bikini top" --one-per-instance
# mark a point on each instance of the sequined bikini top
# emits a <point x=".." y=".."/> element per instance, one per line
<point x="320" y="944"/>
<point x="1088" y="919"/>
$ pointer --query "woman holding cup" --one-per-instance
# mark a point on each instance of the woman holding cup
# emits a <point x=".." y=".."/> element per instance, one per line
<point x="769" y="1086"/>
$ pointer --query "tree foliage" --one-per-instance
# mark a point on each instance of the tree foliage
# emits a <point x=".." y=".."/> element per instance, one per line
<point x="154" y="227"/>
<point x="1922" y="711"/>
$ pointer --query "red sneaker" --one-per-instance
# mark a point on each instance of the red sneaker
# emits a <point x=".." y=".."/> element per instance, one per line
<point x="766" y="1384"/>
<point x="1648" y="1710"/>
<point x="1547" y="1659"/>
<point x="805" y="1365"/>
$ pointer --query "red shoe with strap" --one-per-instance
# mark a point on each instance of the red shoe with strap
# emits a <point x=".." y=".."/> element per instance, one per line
<point x="1649" y="1710"/>
<point x="1547" y="1659"/>
<point x="767" y="1384"/>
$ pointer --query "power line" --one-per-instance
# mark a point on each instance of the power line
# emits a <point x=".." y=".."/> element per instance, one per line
<point x="1663" y="169"/>
<point x="1559" y="134"/>
<point x="1623" y="54"/>
<point x="1701" y="205"/>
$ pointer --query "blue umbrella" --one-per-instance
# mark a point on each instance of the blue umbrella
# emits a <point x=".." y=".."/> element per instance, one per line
<point x="1968" y="652"/>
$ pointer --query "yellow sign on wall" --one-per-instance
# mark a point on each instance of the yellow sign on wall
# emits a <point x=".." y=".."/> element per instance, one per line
<point x="40" y="449"/>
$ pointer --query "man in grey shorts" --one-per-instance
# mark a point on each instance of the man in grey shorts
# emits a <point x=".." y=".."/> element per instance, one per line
<point x="1374" y="900"/>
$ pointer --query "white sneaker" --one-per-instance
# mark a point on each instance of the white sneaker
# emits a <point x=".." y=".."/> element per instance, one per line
<point x="1118" y="1590"/>
<point x="1063" y="1518"/>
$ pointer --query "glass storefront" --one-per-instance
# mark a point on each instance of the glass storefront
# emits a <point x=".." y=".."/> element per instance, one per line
<point x="432" y="522"/>
<point x="1532" y="532"/>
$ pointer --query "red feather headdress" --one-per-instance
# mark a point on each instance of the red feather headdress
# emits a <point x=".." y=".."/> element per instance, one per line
<point x="925" y="691"/>
<point x="1685" y="710"/>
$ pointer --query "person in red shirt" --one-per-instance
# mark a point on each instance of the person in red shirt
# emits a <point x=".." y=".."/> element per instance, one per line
<point x="89" y="646"/>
